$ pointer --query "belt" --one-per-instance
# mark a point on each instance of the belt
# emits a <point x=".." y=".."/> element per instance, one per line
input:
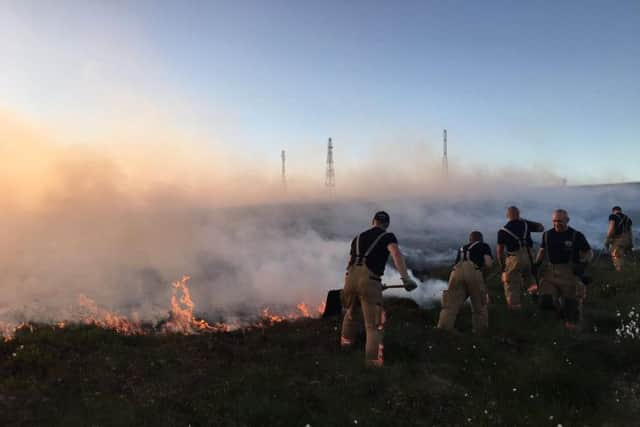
<point x="515" y="253"/>
<point x="474" y="265"/>
<point x="376" y="278"/>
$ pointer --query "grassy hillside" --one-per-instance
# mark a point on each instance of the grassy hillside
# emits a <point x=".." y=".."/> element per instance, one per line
<point x="529" y="371"/>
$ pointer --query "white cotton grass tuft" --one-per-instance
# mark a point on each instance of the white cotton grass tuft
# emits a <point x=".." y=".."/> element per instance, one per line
<point x="629" y="325"/>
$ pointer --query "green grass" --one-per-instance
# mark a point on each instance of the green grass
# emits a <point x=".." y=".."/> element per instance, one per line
<point x="528" y="371"/>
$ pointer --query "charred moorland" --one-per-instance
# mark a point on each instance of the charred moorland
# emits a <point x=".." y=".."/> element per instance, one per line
<point x="529" y="371"/>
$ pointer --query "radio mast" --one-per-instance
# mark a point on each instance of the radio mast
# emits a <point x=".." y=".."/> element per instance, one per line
<point x="330" y="177"/>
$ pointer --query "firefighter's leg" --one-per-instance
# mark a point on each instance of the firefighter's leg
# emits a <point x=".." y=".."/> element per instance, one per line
<point x="452" y="299"/>
<point x="352" y="322"/>
<point x="527" y="276"/>
<point x="548" y="291"/>
<point x="374" y="319"/>
<point x="617" y="255"/>
<point x="478" y="296"/>
<point x="571" y="290"/>
<point x="512" y="283"/>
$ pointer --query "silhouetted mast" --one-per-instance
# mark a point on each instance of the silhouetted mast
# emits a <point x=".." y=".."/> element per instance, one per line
<point x="330" y="178"/>
<point x="445" y="161"/>
<point x="284" y="171"/>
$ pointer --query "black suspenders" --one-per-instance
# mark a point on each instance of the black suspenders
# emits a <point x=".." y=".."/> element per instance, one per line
<point x="362" y="259"/>
<point x="465" y="253"/>
<point x="522" y="241"/>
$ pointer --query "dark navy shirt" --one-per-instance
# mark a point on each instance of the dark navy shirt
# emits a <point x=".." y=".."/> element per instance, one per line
<point x="562" y="247"/>
<point x="475" y="254"/>
<point x="377" y="259"/>
<point x="517" y="228"/>
<point x="622" y="223"/>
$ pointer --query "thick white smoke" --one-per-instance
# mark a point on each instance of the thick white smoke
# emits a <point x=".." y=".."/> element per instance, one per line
<point x="83" y="221"/>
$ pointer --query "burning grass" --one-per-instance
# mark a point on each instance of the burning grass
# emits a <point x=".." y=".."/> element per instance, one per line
<point x="529" y="371"/>
<point x="181" y="318"/>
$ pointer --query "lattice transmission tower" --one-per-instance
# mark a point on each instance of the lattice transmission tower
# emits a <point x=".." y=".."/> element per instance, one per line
<point x="284" y="171"/>
<point x="445" y="161"/>
<point x="330" y="177"/>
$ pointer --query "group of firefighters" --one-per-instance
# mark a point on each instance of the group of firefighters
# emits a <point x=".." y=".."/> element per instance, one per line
<point x="560" y="263"/>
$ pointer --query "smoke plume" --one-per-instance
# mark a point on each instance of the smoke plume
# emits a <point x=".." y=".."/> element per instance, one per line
<point x="119" y="222"/>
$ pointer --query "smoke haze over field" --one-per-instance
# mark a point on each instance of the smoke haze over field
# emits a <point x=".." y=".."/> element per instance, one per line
<point x="119" y="222"/>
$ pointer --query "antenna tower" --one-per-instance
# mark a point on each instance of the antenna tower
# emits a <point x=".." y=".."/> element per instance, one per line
<point x="330" y="178"/>
<point x="284" y="175"/>
<point x="445" y="161"/>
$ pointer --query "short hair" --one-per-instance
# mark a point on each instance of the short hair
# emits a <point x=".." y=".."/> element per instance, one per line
<point x="616" y="208"/>
<point x="382" y="217"/>
<point x="475" y="236"/>
<point x="561" y="212"/>
<point x="513" y="211"/>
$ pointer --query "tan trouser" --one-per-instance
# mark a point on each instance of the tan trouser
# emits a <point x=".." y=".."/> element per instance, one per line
<point x="362" y="290"/>
<point x="558" y="280"/>
<point x="620" y="246"/>
<point x="465" y="281"/>
<point x="517" y="275"/>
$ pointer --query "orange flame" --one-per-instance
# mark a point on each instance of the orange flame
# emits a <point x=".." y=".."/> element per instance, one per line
<point x="181" y="318"/>
<point x="302" y="307"/>
<point x="7" y="330"/>
<point x="105" y="319"/>
<point x="303" y="311"/>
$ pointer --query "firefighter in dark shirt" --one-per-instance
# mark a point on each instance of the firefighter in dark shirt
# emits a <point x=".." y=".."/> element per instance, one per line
<point x="619" y="237"/>
<point x="516" y="264"/>
<point x="363" y="287"/>
<point x="467" y="281"/>
<point x="566" y="252"/>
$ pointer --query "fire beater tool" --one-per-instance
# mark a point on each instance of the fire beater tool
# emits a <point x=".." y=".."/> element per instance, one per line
<point x="333" y="304"/>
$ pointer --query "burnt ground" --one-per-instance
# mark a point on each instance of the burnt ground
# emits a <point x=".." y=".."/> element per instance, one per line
<point x="528" y="371"/>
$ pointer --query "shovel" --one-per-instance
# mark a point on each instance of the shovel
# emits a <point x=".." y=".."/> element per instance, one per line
<point x="333" y="305"/>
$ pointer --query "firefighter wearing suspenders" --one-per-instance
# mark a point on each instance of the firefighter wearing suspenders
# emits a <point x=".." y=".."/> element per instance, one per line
<point x="363" y="287"/>
<point x="619" y="237"/>
<point x="566" y="252"/>
<point x="515" y="256"/>
<point x="467" y="281"/>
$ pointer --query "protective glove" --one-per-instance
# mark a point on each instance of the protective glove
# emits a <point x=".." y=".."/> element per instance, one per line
<point x="409" y="284"/>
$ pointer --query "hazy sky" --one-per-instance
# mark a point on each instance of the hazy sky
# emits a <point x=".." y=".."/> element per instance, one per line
<point x="551" y="85"/>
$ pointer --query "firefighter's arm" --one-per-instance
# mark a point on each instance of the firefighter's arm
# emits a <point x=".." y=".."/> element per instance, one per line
<point x="610" y="231"/>
<point x="398" y="259"/>
<point x="488" y="262"/>
<point x="536" y="227"/>
<point x="500" y="256"/>
<point x="401" y="266"/>
<point x="586" y="256"/>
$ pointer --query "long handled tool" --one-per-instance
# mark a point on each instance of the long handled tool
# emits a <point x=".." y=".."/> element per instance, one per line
<point x="333" y="304"/>
<point x="385" y="287"/>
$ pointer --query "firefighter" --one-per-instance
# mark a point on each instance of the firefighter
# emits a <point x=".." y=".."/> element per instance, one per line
<point x="619" y="237"/>
<point x="467" y="281"/>
<point x="363" y="287"/>
<point x="516" y="263"/>
<point x="566" y="252"/>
